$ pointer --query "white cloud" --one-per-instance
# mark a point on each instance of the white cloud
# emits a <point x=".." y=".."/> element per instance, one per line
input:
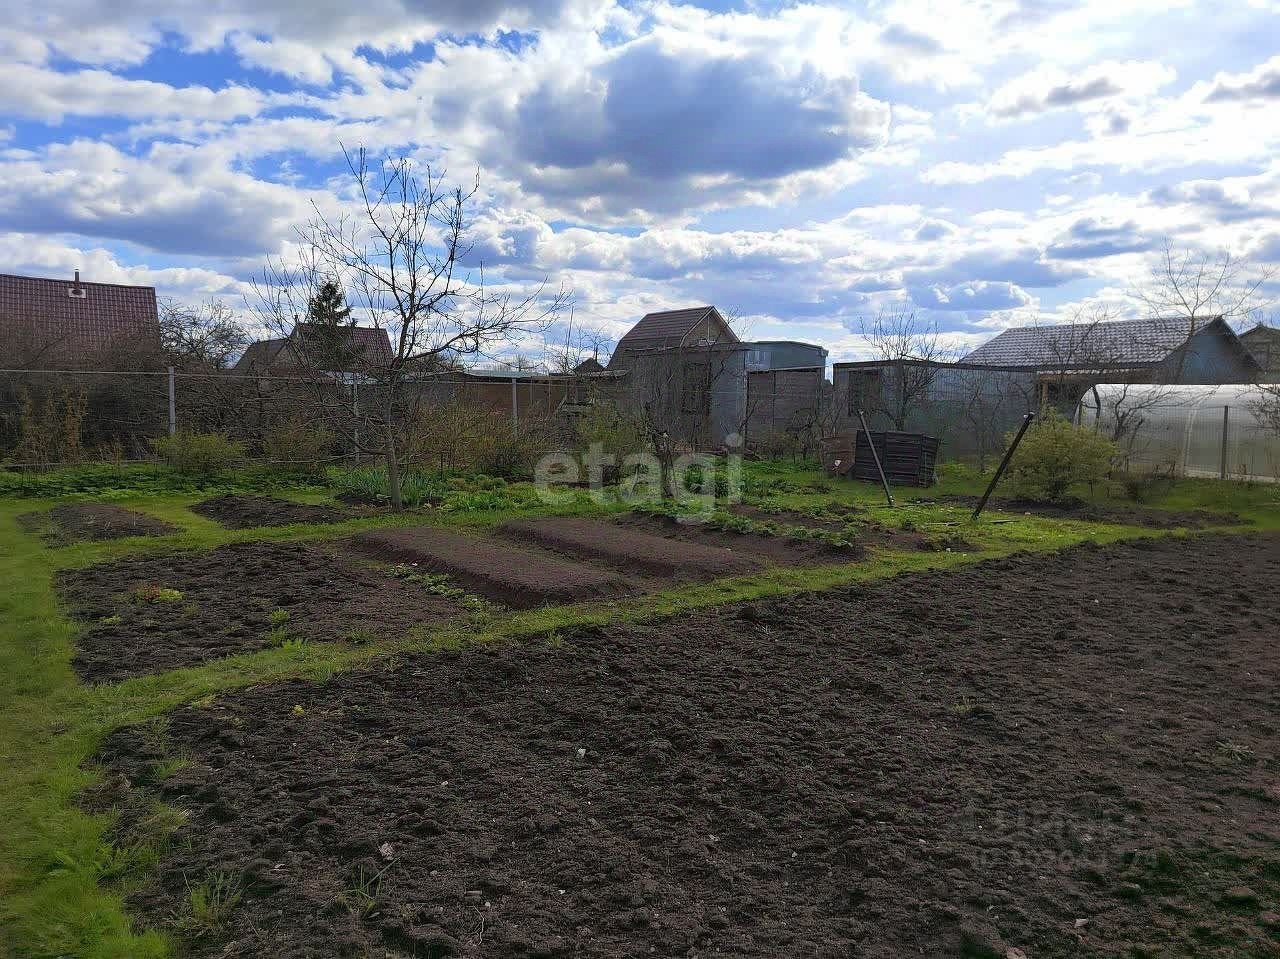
<point x="1096" y="86"/>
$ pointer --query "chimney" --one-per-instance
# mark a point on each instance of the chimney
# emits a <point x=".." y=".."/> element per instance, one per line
<point x="76" y="290"/>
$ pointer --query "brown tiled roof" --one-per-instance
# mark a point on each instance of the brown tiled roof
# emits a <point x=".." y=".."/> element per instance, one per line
<point x="666" y="330"/>
<point x="66" y="325"/>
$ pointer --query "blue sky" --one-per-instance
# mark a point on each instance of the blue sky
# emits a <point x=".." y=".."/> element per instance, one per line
<point x="987" y="164"/>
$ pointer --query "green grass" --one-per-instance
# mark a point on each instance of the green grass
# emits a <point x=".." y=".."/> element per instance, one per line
<point x="61" y="878"/>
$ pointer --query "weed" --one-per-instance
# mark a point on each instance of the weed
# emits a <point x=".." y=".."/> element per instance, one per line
<point x="965" y="706"/>
<point x="164" y="768"/>
<point x="279" y="635"/>
<point x="1233" y="752"/>
<point x="278" y="617"/>
<point x="212" y="902"/>
<point x="362" y="897"/>
<point x="152" y="593"/>
<point x="110" y="620"/>
<point x="293" y="644"/>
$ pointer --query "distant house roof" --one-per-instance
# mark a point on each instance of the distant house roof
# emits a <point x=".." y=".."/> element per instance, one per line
<point x="666" y="330"/>
<point x="341" y="349"/>
<point x="1089" y="345"/>
<point x="73" y="319"/>
<point x="589" y="365"/>
<point x="1264" y="343"/>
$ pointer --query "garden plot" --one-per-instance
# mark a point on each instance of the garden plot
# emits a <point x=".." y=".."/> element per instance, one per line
<point x="632" y="549"/>
<point x="76" y="522"/>
<point x="515" y="576"/>
<point x="1122" y="514"/>
<point x="1015" y="758"/>
<point x="245" y="512"/>
<point x="776" y="550"/>
<point x="144" y="614"/>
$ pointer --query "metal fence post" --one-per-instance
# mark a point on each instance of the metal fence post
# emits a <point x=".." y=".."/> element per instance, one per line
<point x="1222" y="466"/>
<point x="173" y="405"/>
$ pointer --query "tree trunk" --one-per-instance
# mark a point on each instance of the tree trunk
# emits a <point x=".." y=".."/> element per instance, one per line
<point x="393" y="471"/>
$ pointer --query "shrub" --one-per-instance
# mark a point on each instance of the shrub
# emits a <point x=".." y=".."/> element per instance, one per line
<point x="50" y="426"/>
<point x="1056" y="456"/>
<point x="1140" y="485"/>
<point x="617" y="434"/>
<point x="298" y="446"/>
<point x="199" y="454"/>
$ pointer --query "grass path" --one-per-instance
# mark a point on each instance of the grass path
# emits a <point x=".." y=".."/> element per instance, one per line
<point x="61" y="880"/>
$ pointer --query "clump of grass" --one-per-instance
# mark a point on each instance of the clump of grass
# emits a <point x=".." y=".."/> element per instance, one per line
<point x="154" y="593"/>
<point x="964" y="706"/>
<point x="363" y="895"/>
<point x="1233" y="752"/>
<point x="110" y="620"/>
<point x="212" y="902"/>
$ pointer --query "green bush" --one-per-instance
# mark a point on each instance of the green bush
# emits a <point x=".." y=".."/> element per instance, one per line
<point x="199" y="454"/>
<point x="1056" y="456"/>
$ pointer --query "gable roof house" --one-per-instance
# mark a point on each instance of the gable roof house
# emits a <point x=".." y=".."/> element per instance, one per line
<point x="51" y="324"/>
<point x="698" y="327"/>
<point x="706" y="385"/>
<point x="1067" y="359"/>
<point x="333" y="349"/>
<point x="1264" y="343"/>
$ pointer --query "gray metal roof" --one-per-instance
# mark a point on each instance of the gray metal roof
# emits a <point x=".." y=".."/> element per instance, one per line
<point x="1120" y="342"/>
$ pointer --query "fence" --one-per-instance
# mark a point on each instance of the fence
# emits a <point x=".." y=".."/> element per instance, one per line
<point x="969" y="408"/>
<point x="95" y="415"/>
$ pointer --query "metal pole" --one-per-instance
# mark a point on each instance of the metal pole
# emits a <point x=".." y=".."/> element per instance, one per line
<point x="1004" y="464"/>
<point x="515" y="414"/>
<point x="173" y="405"/>
<point x="884" y="482"/>
<point x="1222" y="466"/>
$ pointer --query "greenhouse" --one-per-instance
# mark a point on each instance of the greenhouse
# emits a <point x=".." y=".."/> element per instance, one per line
<point x="1224" y="432"/>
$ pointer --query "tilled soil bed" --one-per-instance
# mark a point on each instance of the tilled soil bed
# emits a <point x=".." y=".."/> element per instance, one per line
<point x="1125" y="515"/>
<point x="504" y="572"/>
<point x="76" y="522"/>
<point x="631" y="548"/>
<point x="1069" y="754"/>
<point x="779" y="550"/>
<point x="246" y="512"/>
<point x="150" y="613"/>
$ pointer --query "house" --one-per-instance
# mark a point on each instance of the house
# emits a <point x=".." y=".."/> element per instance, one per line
<point x="703" y="384"/>
<point x="316" y="346"/>
<point x="1068" y="359"/>
<point x="48" y="323"/>
<point x="1264" y="343"/>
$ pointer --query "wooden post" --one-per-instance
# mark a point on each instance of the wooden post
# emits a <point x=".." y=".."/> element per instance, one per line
<point x="1004" y="463"/>
<point x="1222" y="466"/>
<point x="173" y="405"/>
<point x="884" y="482"/>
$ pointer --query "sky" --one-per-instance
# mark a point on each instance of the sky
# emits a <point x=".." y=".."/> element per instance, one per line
<point x="986" y="164"/>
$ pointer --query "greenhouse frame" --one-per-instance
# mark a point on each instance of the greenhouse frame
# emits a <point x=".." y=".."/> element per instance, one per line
<point x="1218" y="432"/>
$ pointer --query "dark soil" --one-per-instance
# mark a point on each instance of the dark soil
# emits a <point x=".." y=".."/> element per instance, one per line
<point x="869" y="532"/>
<point x="1070" y="754"/>
<point x="513" y="575"/>
<point x="245" y="512"/>
<point x="225" y="602"/>
<point x="779" y="550"/>
<point x="1127" y="515"/>
<point x="76" y="522"/>
<point x="631" y="549"/>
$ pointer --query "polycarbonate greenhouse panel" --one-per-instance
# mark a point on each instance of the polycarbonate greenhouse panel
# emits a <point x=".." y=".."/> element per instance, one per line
<point x="1202" y="431"/>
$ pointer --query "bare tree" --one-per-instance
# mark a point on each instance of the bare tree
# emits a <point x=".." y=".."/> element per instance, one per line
<point x="1197" y="286"/>
<point x="201" y="337"/>
<point x="399" y="258"/>
<point x="911" y="347"/>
